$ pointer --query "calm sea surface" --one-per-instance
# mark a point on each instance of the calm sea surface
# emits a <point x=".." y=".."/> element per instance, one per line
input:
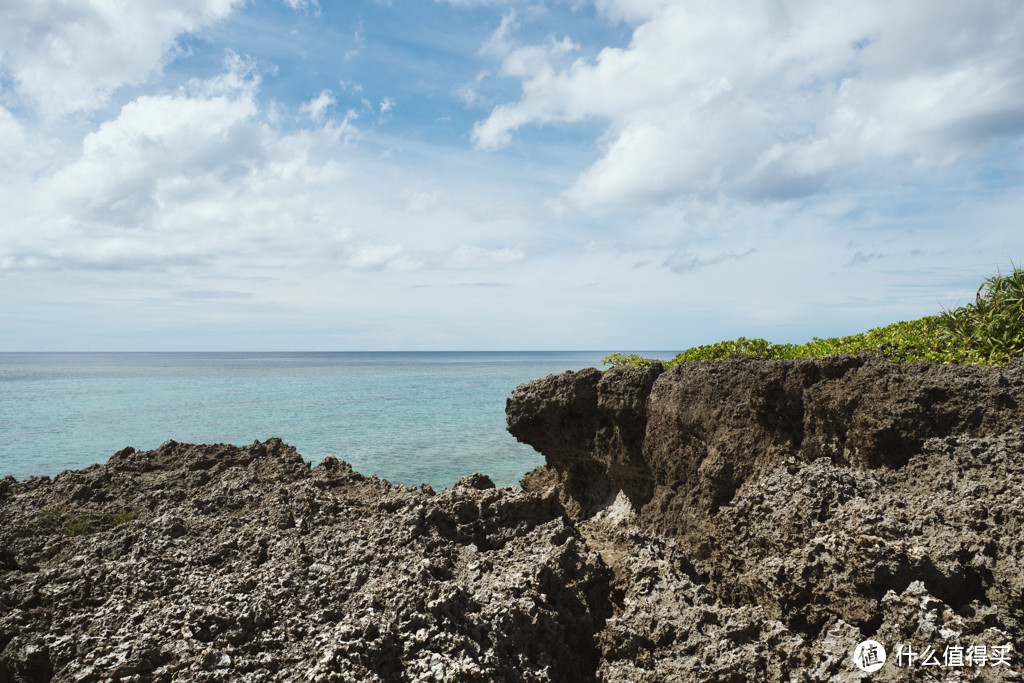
<point x="408" y="417"/>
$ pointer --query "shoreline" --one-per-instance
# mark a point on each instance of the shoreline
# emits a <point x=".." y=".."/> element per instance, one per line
<point x="686" y="527"/>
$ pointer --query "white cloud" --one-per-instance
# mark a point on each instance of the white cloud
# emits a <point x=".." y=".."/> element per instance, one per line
<point x="12" y="139"/>
<point x="197" y="179"/>
<point x="535" y="64"/>
<point x="303" y="4"/>
<point x="633" y="11"/>
<point x="500" y="43"/>
<point x="469" y="93"/>
<point x="205" y="211"/>
<point x="69" y="55"/>
<point x="157" y="144"/>
<point x="318" y="106"/>
<point x="359" y="42"/>
<point x="769" y="100"/>
<point x="374" y="257"/>
<point x="184" y="178"/>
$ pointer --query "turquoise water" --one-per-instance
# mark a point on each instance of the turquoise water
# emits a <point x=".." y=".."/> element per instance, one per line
<point x="408" y="417"/>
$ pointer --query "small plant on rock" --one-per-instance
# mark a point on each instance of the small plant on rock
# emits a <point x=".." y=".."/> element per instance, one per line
<point x="123" y="516"/>
<point x="71" y="523"/>
<point x="81" y="523"/>
<point x="627" y="360"/>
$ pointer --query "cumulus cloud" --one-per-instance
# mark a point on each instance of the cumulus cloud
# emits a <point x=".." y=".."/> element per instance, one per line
<point x="185" y="178"/>
<point x="189" y="205"/>
<point x="160" y="143"/>
<point x="633" y="11"/>
<point x="198" y="178"/>
<point x="769" y="100"/>
<point x="69" y="55"/>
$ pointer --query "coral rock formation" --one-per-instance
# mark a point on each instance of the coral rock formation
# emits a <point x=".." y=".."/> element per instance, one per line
<point x="743" y="520"/>
<point x="763" y="517"/>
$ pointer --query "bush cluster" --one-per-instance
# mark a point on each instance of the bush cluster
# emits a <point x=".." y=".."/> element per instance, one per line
<point x="80" y="523"/>
<point x="987" y="331"/>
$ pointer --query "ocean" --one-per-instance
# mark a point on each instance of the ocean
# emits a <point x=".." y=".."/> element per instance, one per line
<point x="407" y="417"/>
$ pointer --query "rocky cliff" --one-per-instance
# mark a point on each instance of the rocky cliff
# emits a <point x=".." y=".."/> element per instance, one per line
<point x="814" y="503"/>
<point x="735" y="521"/>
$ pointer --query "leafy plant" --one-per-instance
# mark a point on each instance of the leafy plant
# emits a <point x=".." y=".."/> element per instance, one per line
<point x="991" y="328"/>
<point x="629" y="360"/>
<point x="727" y="349"/>
<point x="988" y="331"/>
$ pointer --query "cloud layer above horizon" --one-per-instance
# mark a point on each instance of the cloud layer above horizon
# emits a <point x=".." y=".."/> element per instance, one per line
<point x="630" y="174"/>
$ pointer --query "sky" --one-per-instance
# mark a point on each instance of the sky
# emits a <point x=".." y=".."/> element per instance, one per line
<point x="294" y="175"/>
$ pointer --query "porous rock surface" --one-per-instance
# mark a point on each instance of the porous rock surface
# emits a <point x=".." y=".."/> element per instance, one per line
<point x="246" y="564"/>
<point x="764" y="517"/>
<point x="737" y="521"/>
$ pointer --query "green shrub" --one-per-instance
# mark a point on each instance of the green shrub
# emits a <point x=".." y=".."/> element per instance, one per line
<point x="71" y="523"/>
<point x="51" y="518"/>
<point x="80" y="523"/>
<point x="629" y="360"/>
<point x="988" y="331"/>
<point x="991" y="328"/>
<point x="122" y="516"/>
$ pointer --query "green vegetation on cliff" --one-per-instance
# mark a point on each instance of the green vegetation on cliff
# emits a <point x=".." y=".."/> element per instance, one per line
<point x="987" y="331"/>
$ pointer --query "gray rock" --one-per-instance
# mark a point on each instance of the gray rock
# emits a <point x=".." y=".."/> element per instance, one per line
<point x="198" y="580"/>
<point x="735" y="521"/>
<point x="763" y="518"/>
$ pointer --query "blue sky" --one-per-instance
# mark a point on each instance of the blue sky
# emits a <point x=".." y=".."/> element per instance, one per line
<point x="497" y="174"/>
